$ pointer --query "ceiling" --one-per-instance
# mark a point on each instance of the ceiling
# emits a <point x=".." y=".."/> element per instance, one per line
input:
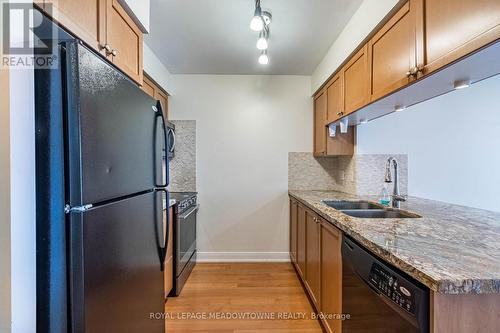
<point x="214" y="37"/>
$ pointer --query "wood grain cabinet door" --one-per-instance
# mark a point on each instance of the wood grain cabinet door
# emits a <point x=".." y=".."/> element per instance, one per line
<point x="320" y="105"/>
<point x="313" y="256"/>
<point x="331" y="276"/>
<point x="86" y="19"/>
<point x="356" y="81"/>
<point x="293" y="231"/>
<point x="393" y="51"/>
<point x="163" y="98"/>
<point x="125" y="40"/>
<point x="455" y="28"/>
<point x="335" y="99"/>
<point x="301" y="240"/>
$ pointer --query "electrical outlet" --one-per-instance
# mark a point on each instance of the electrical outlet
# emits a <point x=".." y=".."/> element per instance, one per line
<point x="342" y="175"/>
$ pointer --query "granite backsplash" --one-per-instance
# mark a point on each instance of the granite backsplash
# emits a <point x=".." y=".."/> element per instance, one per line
<point x="183" y="164"/>
<point x="359" y="174"/>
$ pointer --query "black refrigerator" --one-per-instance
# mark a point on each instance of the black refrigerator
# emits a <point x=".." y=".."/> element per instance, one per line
<point x="101" y="178"/>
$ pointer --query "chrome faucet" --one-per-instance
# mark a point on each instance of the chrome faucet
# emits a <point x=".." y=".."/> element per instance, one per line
<point x="396" y="197"/>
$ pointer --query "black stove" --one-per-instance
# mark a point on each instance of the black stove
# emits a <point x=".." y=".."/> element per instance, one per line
<point x="184" y="200"/>
<point x="185" y="211"/>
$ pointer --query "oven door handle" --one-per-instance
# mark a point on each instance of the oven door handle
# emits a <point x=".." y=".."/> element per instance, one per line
<point x="407" y="316"/>
<point x="189" y="212"/>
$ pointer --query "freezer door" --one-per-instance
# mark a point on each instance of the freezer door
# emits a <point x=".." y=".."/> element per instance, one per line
<point x="115" y="131"/>
<point x="116" y="271"/>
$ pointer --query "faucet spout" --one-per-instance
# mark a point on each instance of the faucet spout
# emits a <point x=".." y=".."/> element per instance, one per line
<point x="396" y="196"/>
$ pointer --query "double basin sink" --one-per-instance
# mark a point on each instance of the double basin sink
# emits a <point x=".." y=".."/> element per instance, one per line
<point x="366" y="209"/>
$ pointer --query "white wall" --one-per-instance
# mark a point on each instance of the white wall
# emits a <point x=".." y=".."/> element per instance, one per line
<point x="246" y="125"/>
<point x="139" y="10"/>
<point x="366" y="18"/>
<point x="452" y="144"/>
<point x="158" y="72"/>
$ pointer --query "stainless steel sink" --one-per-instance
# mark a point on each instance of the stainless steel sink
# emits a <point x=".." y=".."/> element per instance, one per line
<point x="350" y="205"/>
<point x="380" y="214"/>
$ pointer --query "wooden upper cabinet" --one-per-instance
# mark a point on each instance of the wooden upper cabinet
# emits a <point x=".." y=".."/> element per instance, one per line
<point x="149" y="86"/>
<point x="455" y="28"/>
<point x="301" y="240"/>
<point x="331" y="276"/>
<point x="86" y="19"/>
<point x="293" y="231"/>
<point x="125" y="40"/>
<point x="335" y="98"/>
<point x="393" y="51"/>
<point x="320" y="105"/>
<point x="163" y="98"/>
<point x="313" y="256"/>
<point x="154" y="90"/>
<point x="356" y="81"/>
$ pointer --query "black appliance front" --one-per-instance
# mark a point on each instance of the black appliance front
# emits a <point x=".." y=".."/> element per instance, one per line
<point x="116" y="266"/>
<point x="100" y="143"/>
<point x="184" y="245"/>
<point x="116" y="132"/>
<point x="380" y="298"/>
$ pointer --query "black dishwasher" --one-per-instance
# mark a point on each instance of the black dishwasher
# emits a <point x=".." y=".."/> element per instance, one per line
<point x="378" y="297"/>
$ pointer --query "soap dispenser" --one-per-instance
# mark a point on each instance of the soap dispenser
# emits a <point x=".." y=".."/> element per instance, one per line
<point x="385" y="199"/>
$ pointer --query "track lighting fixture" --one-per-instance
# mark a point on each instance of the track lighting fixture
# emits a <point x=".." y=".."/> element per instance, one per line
<point x="260" y="23"/>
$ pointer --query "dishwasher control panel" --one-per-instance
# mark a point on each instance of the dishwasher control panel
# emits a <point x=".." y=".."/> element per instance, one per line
<point x="397" y="290"/>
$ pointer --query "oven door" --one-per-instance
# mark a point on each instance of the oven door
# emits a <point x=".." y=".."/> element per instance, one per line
<point x="186" y="237"/>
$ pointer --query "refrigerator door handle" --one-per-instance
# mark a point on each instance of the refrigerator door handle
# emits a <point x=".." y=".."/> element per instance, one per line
<point x="160" y="116"/>
<point x="166" y="230"/>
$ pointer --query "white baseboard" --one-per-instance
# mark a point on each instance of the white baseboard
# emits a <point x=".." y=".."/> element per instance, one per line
<point x="243" y="257"/>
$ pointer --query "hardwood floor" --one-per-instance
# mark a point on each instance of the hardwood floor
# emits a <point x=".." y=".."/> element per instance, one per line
<point x="245" y="291"/>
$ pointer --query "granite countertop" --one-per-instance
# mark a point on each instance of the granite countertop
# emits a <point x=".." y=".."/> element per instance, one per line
<point x="452" y="249"/>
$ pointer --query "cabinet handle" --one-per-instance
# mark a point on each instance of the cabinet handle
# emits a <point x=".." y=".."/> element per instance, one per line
<point x="107" y="48"/>
<point x="340" y="114"/>
<point x="114" y="53"/>
<point x="412" y="72"/>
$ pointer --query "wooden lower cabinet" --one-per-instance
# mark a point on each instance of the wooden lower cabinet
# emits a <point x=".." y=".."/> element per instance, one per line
<point x="301" y="240"/>
<point x="293" y="231"/>
<point x="319" y="262"/>
<point x="331" y="276"/>
<point x="313" y="257"/>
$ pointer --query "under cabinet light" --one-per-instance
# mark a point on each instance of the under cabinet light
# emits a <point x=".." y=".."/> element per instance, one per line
<point x="461" y="84"/>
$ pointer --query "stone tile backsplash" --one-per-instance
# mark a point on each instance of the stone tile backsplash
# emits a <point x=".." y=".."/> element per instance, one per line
<point x="183" y="165"/>
<point x="359" y="174"/>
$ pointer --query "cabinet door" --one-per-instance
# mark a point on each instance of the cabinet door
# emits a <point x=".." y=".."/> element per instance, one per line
<point x="148" y="86"/>
<point x="331" y="276"/>
<point x="455" y="28"/>
<point x="343" y="144"/>
<point x="293" y="231"/>
<point x="163" y="98"/>
<point x="313" y="256"/>
<point x="301" y="240"/>
<point x="125" y="40"/>
<point x="356" y="79"/>
<point x="320" y="124"/>
<point x="85" y="19"/>
<point x="335" y="99"/>
<point x="393" y="52"/>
